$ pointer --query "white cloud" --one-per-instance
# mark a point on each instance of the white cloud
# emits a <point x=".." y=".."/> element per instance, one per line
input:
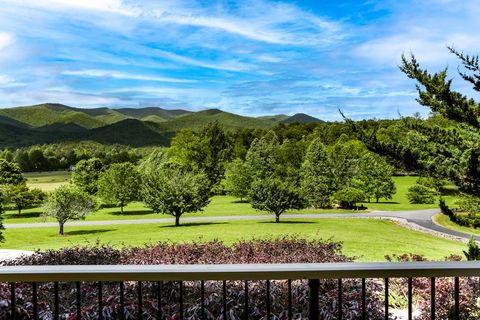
<point x="112" y="6"/>
<point x="230" y="65"/>
<point x="6" y="39"/>
<point x="122" y="75"/>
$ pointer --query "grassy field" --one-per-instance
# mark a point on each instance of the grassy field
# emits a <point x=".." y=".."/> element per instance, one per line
<point x="444" y="221"/>
<point x="219" y="206"/>
<point x="400" y="200"/>
<point x="47" y="181"/>
<point x="368" y="239"/>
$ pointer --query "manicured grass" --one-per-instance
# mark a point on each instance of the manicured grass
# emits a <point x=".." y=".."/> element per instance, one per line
<point x="369" y="239"/>
<point x="400" y="200"/>
<point x="47" y="181"/>
<point x="219" y="206"/>
<point x="444" y="221"/>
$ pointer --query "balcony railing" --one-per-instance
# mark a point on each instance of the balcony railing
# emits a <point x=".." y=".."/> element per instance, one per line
<point x="251" y="272"/>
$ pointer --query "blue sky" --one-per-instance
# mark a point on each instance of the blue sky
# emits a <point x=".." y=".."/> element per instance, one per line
<point x="253" y="57"/>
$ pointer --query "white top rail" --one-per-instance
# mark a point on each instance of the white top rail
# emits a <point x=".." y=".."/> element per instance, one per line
<point x="237" y="271"/>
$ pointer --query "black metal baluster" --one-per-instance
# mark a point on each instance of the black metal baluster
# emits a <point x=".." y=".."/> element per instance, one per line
<point x="340" y="298"/>
<point x="78" y="300"/>
<point x="432" y="298"/>
<point x="202" y="293"/>
<point x="181" y="300"/>
<point x="410" y="306"/>
<point x="268" y="300"/>
<point x="289" y="284"/>
<point x="246" y="299"/>
<point x="159" y="300"/>
<point x="56" y="307"/>
<point x="140" y="301"/>
<point x="457" y="298"/>
<point x="224" y="289"/>
<point x="13" y="300"/>
<point x="364" y="299"/>
<point x="122" y="301"/>
<point x="386" y="298"/>
<point x="100" y="301"/>
<point x="313" y="285"/>
<point x="35" y="300"/>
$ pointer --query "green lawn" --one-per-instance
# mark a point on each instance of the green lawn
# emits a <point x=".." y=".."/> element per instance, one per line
<point x="444" y="221"/>
<point x="219" y="206"/>
<point x="369" y="239"/>
<point x="400" y="200"/>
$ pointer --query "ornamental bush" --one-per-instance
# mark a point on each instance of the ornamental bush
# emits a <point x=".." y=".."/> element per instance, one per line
<point x="280" y="250"/>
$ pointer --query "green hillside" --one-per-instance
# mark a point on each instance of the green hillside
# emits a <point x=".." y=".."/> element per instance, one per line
<point x="50" y="123"/>
<point x="50" y="113"/>
<point x="301" y="118"/>
<point x="226" y="119"/>
<point x="105" y="115"/>
<point x="142" y="113"/>
<point x="131" y="132"/>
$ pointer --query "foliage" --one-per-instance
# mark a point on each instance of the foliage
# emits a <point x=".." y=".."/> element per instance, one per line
<point x="86" y="175"/>
<point x="207" y="150"/>
<point x="349" y="196"/>
<point x="316" y="175"/>
<point x="22" y="197"/>
<point x="67" y="203"/>
<point x="420" y="194"/>
<point x="375" y="176"/>
<point x="435" y="92"/>
<point x="119" y="184"/>
<point x="432" y="183"/>
<point x="262" y="156"/>
<point x="280" y="250"/>
<point x="473" y="250"/>
<point x="10" y="173"/>
<point x="275" y="196"/>
<point x="2" y="238"/>
<point x="238" y="179"/>
<point x="171" y="189"/>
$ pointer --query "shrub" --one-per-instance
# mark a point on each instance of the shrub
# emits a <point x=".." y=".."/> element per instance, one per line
<point x="280" y="250"/>
<point x="418" y="194"/>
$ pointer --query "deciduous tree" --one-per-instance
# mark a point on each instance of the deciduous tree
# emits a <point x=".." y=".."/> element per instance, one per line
<point x="68" y="203"/>
<point x="275" y="196"/>
<point x="119" y="184"/>
<point x="86" y="173"/>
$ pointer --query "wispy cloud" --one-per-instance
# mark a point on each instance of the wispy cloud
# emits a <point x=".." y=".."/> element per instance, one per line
<point x="122" y="75"/>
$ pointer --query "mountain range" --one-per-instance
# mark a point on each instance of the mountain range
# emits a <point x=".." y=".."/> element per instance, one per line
<point x="52" y="122"/>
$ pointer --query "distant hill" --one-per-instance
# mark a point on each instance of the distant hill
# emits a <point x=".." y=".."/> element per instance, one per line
<point x="52" y="122"/>
<point x="226" y="119"/>
<point x="301" y="118"/>
<point x="159" y="113"/>
<point x="50" y="113"/>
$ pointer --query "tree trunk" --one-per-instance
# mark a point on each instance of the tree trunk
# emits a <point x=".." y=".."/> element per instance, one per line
<point x="177" y="220"/>
<point x="19" y="211"/>
<point x="378" y="199"/>
<point x="277" y="217"/>
<point x="121" y="207"/>
<point x="60" y="232"/>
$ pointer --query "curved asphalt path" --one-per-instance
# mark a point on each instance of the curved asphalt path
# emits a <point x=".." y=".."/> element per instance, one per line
<point x="421" y="218"/>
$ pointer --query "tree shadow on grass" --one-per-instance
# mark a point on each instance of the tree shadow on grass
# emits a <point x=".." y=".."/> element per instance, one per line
<point x="131" y="213"/>
<point x="240" y="201"/>
<point x="87" y="232"/>
<point x="383" y="202"/>
<point x="192" y="224"/>
<point x="15" y="215"/>
<point x="288" y="222"/>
